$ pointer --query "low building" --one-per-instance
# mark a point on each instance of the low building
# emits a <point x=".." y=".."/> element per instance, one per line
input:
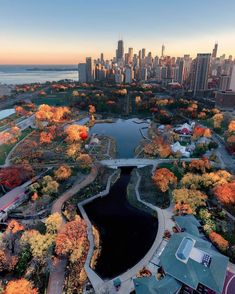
<point x="225" y="100"/>
<point x="188" y="264"/>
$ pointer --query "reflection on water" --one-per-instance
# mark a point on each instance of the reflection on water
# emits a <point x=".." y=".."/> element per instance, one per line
<point x="126" y="133"/>
<point x="126" y="233"/>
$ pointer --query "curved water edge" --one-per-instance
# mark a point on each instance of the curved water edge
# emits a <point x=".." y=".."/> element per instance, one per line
<point x="127" y="233"/>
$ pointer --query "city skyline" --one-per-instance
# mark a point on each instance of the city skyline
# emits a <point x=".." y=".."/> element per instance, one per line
<point x="45" y="33"/>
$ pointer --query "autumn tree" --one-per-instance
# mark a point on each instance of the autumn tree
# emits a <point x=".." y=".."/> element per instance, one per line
<point x="76" y="133"/>
<point x="217" y="120"/>
<point x="40" y="245"/>
<point x="192" y="198"/>
<point x="225" y="193"/>
<point x="163" y="179"/>
<point x="73" y="150"/>
<point x="219" y="241"/>
<point x="49" y="186"/>
<point x="7" y="261"/>
<point x="21" y="286"/>
<point x="14" y="226"/>
<point x="158" y="148"/>
<point x="71" y="239"/>
<point x="212" y="179"/>
<point x="200" y="165"/>
<point x="92" y="111"/>
<point x="231" y="126"/>
<point x="63" y="172"/>
<point x="84" y="161"/>
<point x="51" y="113"/>
<point x="46" y="138"/>
<point x="53" y="223"/>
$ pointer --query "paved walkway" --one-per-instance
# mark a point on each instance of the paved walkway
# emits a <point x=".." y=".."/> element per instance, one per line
<point x="56" y="279"/>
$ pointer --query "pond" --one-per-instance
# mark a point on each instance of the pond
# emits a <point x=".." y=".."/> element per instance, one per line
<point x="127" y="233"/>
<point x="6" y="112"/>
<point x="126" y="132"/>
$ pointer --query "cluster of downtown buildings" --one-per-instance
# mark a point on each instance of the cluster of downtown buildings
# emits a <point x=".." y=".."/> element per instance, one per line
<point x="205" y="72"/>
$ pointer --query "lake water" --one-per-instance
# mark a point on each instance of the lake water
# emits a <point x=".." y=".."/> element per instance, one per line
<point x="126" y="233"/>
<point x="13" y="74"/>
<point x="6" y="112"/>
<point x="126" y="133"/>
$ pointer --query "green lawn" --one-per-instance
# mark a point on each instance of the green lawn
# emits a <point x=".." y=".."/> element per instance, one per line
<point x="176" y="171"/>
<point x="5" y="148"/>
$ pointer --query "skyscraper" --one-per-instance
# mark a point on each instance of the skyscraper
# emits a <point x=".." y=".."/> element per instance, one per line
<point x="200" y="71"/>
<point x="214" y="52"/>
<point x="143" y="53"/>
<point x="130" y="52"/>
<point x="89" y="70"/>
<point x="232" y="80"/>
<point x="82" y="73"/>
<point x="163" y="50"/>
<point x="120" y="51"/>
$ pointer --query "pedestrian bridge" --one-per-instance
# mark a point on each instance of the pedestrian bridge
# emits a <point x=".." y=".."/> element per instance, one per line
<point x="139" y="162"/>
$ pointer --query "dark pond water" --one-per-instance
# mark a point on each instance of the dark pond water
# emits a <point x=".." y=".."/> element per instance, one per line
<point x="126" y="133"/>
<point x="127" y="233"/>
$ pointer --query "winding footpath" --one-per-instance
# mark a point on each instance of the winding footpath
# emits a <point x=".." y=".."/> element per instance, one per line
<point x="57" y="275"/>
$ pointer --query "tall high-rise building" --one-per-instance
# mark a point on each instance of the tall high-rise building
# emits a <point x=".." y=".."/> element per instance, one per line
<point x="214" y="52"/>
<point x="82" y="73"/>
<point x="89" y="70"/>
<point x="163" y="50"/>
<point x="232" y="80"/>
<point x="200" y="71"/>
<point x="224" y="82"/>
<point x="129" y="74"/>
<point x="143" y="53"/>
<point x="181" y="75"/>
<point x="120" y="51"/>
<point x="102" y="58"/>
<point x="130" y="52"/>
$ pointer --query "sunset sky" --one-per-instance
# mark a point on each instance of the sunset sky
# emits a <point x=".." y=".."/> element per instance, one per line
<point x="65" y="31"/>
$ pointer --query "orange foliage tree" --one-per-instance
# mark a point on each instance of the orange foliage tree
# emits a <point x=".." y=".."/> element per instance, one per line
<point x="231" y="126"/>
<point x="158" y="148"/>
<point x="21" y="286"/>
<point x="84" y="161"/>
<point x="51" y="113"/>
<point x="225" y="193"/>
<point x="163" y="178"/>
<point x="46" y="138"/>
<point x="219" y="241"/>
<point x="14" y="226"/>
<point x="63" y="172"/>
<point x="217" y="120"/>
<point x="7" y="261"/>
<point x="76" y="133"/>
<point x="200" y="165"/>
<point x="72" y="239"/>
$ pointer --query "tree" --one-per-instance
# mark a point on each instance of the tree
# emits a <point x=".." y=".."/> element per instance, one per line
<point x="212" y="179"/>
<point x="76" y="133"/>
<point x="92" y="111"/>
<point x="192" y="198"/>
<point x="46" y="138"/>
<point x="49" y="186"/>
<point x="40" y="245"/>
<point x="219" y="241"/>
<point x="7" y="261"/>
<point x="163" y="178"/>
<point x="14" y="226"/>
<point x="73" y="150"/>
<point x="191" y="181"/>
<point x="158" y="148"/>
<point x="200" y="165"/>
<point x="231" y="126"/>
<point x="217" y="119"/>
<point x="10" y="177"/>
<point x="51" y="113"/>
<point x="21" y="286"/>
<point x="84" y="161"/>
<point x="63" y="172"/>
<point x="225" y="193"/>
<point x="53" y="223"/>
<point x="71" y="240"/>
